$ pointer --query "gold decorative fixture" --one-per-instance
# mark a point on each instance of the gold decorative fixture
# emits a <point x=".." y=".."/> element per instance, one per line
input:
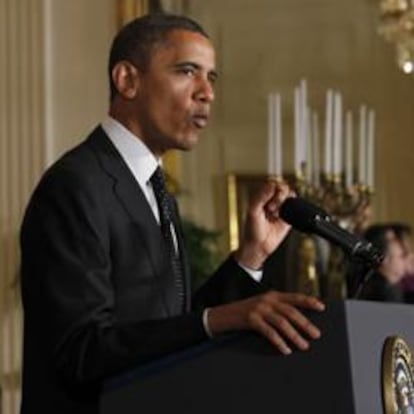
<point x="397" y="27"/>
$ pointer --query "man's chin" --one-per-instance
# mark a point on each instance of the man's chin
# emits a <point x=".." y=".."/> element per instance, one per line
<point x="189" y="143"/>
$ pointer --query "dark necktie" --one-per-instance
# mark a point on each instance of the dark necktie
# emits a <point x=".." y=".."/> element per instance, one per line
<point x="166" y="220"/>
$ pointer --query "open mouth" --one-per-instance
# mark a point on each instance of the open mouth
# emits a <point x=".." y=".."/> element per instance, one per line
<point x="200" y="121"/>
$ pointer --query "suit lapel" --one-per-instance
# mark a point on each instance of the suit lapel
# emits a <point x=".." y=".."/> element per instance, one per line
<point x="130" y="195"/>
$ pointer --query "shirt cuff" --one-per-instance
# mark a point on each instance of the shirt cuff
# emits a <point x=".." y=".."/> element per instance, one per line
<point x="255" y="274"/>
<point x="205" y="323"/>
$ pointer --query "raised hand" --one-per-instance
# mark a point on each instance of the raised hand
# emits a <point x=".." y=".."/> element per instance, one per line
<point x="264" y="230"/>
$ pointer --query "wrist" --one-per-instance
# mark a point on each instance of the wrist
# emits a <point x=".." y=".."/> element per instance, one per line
<point x="222" y="319"/>
<point x="250" y="258"/>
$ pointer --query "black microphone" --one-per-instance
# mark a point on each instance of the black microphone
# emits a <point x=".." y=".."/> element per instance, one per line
<point x="307" y="217"/>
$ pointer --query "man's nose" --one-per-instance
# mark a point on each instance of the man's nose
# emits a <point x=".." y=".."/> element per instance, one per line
<point x="205" y="90"/>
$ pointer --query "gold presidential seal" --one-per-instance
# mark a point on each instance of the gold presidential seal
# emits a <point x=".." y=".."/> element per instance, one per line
<point x="397" y="377"/>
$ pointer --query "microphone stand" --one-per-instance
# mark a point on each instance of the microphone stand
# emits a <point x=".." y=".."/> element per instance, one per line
<point x="363" y="283"/>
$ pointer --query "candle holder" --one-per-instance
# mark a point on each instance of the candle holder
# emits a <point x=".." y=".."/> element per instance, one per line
<point x="346" y="204"/>
<point x="350" y="207"/>
<point x="308" y="281"/>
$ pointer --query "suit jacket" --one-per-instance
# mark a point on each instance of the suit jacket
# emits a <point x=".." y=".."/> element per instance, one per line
<point x="97" y="290"/>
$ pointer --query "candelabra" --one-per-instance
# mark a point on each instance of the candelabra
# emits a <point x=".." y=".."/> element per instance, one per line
<point x="342" y="186"/>
<point x="321" y="268"/>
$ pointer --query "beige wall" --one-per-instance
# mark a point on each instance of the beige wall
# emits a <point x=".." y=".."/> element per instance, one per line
<point x="52" y="91"/>
<point x="78" y="36"/>
<point x="271" y="44"/>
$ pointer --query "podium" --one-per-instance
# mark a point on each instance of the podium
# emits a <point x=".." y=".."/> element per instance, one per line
<point x="243" y="373"/>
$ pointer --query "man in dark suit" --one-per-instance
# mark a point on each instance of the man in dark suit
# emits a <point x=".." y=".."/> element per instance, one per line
<point x="103" y="288"/>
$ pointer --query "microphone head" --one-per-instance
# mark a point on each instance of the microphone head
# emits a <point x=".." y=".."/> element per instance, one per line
<point x="301" y="214"/>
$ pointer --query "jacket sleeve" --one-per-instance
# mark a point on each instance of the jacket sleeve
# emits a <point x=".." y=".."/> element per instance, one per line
<point x="229" y="283"/>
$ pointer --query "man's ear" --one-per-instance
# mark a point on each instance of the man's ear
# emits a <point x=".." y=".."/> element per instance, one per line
<point x="125" y="77"/>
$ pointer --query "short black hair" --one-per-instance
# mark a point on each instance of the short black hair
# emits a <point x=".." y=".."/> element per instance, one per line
<point x="137" y="39"/>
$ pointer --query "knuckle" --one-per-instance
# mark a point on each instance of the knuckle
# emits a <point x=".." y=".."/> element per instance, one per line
<point x="295" y="337"/>
<point x="281" y="322"/>
<point x="252" y="319"/>
<point x="256" y="322"/>
<point x="306" y="325"/>
<point x="261" y="307"/>
<point x="272" y="296"/>
<point x="298" y="297"/>
<point x="274" y="336"/>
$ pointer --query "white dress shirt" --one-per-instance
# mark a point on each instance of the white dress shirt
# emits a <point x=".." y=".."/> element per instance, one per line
<point x="140" y="160"/>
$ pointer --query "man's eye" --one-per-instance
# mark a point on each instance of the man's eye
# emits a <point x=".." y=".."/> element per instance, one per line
<point x="187" y="71"/>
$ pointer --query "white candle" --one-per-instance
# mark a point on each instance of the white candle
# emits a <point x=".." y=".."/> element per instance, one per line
<point x="370" y="149"/>
<point x="316" y="149"/>
<point x="271" y="134"/>
<point x="278" y="149"/>
<point x="297" y="131"/>
<point x="349" y="148"/>
<point x="362" y="144"/>
<point x="304" y="122"/>
<point x="328" y="132"/>
<point x="337" y="166"/>
<point x="309" y="146"/>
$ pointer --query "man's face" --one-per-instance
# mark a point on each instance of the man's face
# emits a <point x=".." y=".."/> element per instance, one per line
<point x="175" y="92"/>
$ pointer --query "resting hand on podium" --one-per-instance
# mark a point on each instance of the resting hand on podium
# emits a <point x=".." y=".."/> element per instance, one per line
<point x="274" y="315"/>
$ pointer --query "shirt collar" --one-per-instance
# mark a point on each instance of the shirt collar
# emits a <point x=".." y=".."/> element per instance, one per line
<point x="140" y="160"/>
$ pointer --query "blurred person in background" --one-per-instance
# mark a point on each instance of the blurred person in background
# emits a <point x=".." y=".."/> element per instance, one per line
<point x="383" y="285"/>
<point x="403" y="233"/>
